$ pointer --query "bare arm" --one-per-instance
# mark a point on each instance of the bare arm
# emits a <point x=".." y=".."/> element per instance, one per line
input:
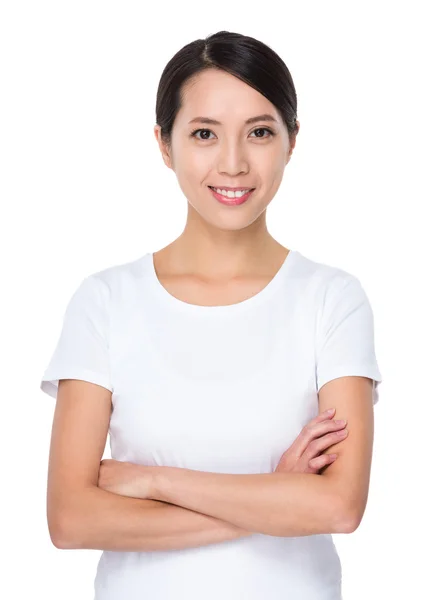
<point x="81" y="515"/>
<point x="278" y="504"/>
<point x="101" y="520"/>
<point x="289" y="504"/>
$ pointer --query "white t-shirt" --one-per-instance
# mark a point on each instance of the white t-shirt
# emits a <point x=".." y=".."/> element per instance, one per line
<point x="222" y="389"/>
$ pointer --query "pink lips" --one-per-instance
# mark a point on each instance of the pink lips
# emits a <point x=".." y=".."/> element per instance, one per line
<point x="231" y="201"/>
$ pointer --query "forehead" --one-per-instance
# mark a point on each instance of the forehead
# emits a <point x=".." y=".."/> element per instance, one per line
<point x="221" y="96"/>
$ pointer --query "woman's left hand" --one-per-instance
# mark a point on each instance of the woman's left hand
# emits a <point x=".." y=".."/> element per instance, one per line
<point x="126" y="478"/>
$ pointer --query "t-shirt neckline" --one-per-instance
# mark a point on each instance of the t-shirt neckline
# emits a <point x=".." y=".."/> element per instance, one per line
<point x="167" y="298"/>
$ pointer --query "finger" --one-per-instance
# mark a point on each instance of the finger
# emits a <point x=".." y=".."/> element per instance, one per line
<point x="327" y="414"/>
<point x="318" y="445"/>
<point x="320" y="461"/>
<point x="319" y="437"/>
<point x="306" y="442"/>
<point x="326" y="426"/>
<point x="313" y="429"/>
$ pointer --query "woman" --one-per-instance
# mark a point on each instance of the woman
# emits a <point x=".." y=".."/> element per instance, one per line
<point x="212" y="363"/>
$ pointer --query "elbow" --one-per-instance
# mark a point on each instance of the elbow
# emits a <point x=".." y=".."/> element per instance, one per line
<point x="68" y="521"/>
<point x="64" y="542"/>
<point x="65" y="539"/>
<point x="61" y="538"/>
<point x="57" y="536"/>
<point x="350" y="525"/>
<point x="63" y="532"/>
<point x="347" y="512"/>
<point x="59" y="543"/>
<point x="340" y="516"/>
<point x="347" y="521"/>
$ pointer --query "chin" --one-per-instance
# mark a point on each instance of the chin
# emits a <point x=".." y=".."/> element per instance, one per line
<point x="226" y="218"/>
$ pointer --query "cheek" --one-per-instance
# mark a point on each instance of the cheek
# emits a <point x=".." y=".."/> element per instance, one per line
<point x="271" y="162"/>
<point x="272" y="168"/>
<point x="194" y="173"/>
<point x="191" y="163"/>
<point x="198" y="162"/>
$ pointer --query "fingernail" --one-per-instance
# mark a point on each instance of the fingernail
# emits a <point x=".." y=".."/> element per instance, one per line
<point x="330" y="410"/>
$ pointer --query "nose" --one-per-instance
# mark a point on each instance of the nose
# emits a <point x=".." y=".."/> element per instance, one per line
<point x="232" y="159"/>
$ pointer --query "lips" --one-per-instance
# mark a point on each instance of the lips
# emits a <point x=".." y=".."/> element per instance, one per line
<point x="235" y="201"/>
<point x="232" y="189"/>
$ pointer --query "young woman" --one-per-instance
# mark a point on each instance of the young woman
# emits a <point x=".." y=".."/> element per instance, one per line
<point x="212" y="364"/>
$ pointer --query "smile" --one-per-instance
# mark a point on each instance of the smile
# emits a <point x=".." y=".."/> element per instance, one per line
<point x="232" y="198"/>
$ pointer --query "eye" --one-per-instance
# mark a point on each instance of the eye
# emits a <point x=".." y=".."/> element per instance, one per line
<point x="193" y="134"/>
<point x="271" y="133"/>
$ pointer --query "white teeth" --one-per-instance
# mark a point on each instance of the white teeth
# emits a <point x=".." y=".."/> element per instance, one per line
<point x="231" y="194"/>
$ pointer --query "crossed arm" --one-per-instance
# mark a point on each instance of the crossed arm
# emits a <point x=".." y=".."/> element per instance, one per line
<point x="290" y="504"/>
<point x="278" y="504"/>
<point x="226" y="507"/>
<point x="193" y="508"/>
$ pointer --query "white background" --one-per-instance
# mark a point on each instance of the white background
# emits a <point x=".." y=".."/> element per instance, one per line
<point x="83" y="187"/>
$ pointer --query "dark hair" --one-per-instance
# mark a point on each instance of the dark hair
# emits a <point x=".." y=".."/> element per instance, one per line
<point x="244" y="57"/>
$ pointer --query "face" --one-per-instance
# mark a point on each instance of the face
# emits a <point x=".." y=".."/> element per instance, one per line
<point x="232" y="153"/>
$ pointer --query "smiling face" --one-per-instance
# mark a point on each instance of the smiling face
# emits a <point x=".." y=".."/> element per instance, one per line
<point x="230" y="153"/>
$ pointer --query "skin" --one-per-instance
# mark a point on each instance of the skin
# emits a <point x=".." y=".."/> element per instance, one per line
<point x="270" y="503"/>
<point x="222" y="244"/>
<point x="305" y="455"/>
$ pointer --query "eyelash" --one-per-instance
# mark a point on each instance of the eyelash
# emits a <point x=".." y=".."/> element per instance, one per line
<point x="272" y="133"/>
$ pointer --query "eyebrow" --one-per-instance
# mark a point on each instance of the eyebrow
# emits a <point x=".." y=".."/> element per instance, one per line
<point x="207" y="120"/>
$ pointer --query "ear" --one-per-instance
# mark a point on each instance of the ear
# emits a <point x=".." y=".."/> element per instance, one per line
<point x="165" y="153"/>
<point x="293" y="142"/>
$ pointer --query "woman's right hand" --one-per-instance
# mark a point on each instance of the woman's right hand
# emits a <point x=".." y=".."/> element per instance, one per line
<point x="305" y="454"/>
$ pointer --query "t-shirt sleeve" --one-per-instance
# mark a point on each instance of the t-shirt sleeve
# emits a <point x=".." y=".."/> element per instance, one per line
<point x="345" y="341"/>
<point x="82" y="350"/>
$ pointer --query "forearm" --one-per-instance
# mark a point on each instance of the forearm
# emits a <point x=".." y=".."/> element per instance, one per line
<point x="278" y="504"/>
<point x="101" y="520"/>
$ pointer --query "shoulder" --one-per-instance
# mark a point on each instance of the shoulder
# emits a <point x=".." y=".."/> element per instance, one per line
<point x="115" y="277"/>
<point x="117" y="289"/>
<point x="338" y="300"/>
<point x="324" y="280"/>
